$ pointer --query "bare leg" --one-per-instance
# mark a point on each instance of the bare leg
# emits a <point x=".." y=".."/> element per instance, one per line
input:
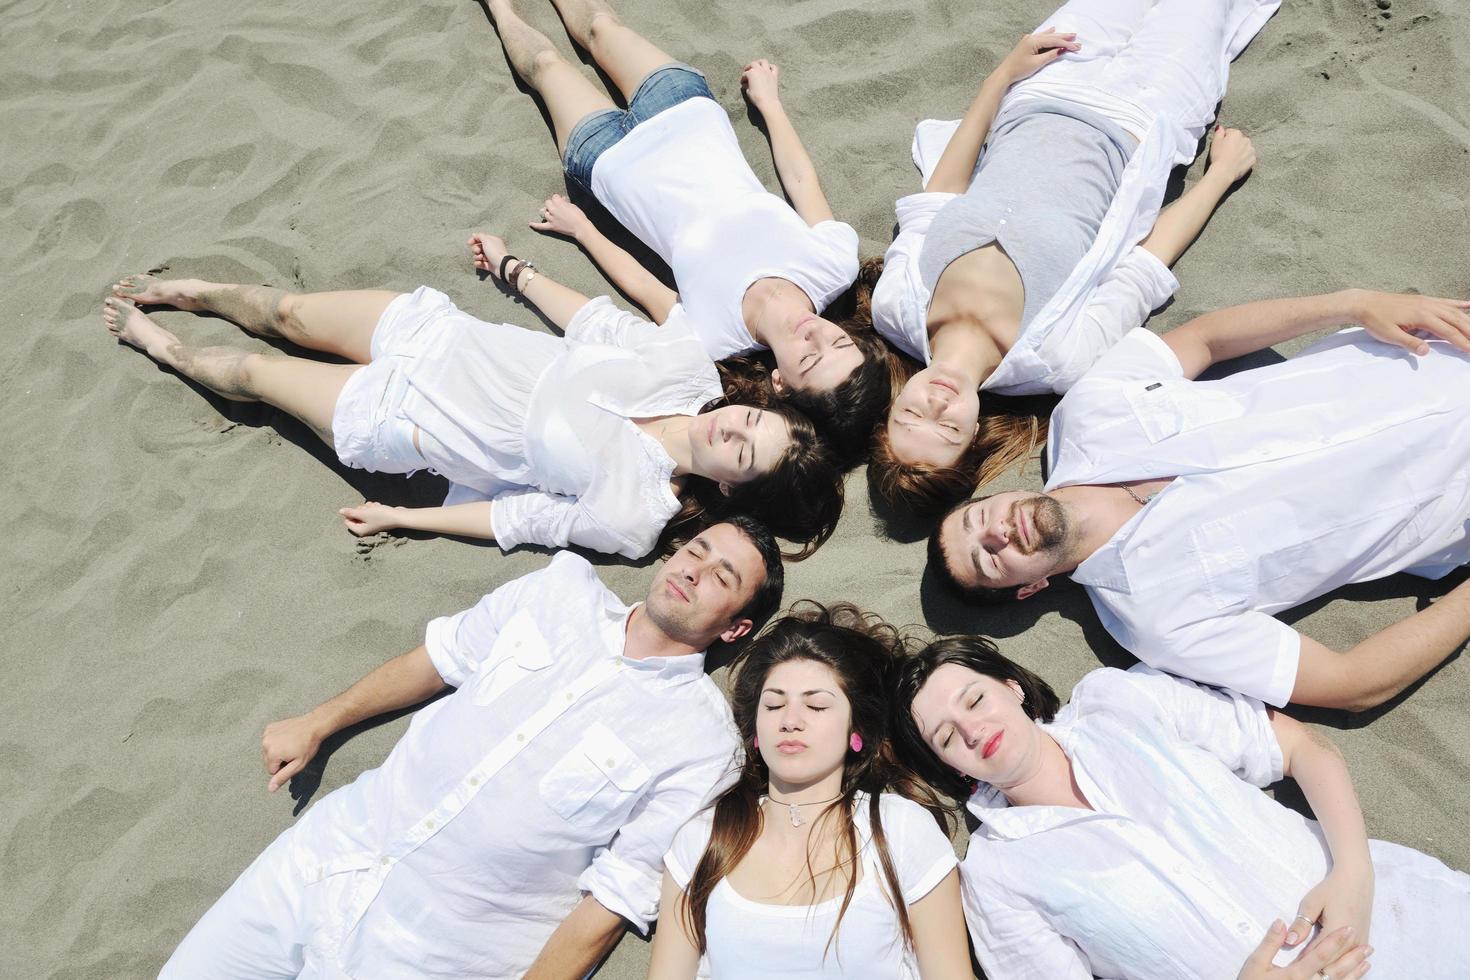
<point x="623" y="53"/>
<point x="568" y="94"/>
<point x="303" y="388"/>
<point x="340" y="323"/>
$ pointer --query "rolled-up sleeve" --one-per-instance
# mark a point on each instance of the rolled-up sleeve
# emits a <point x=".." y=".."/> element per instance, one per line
<point x="1233" y="727"/>
<point x="601" y="322"/>
<point x="627" y="876"/>
<point x="1138" y="285"/>
<point x="555" y="520"/>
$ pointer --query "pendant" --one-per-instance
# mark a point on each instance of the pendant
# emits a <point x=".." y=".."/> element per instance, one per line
<point x="795" y="812"/>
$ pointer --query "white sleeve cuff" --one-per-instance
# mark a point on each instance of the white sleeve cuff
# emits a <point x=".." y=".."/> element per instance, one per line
<point x="623" y="889"/>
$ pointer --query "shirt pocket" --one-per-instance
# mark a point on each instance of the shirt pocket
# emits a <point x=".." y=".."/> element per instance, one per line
<point x="599" y="777"/>
<point x="1228" y="568"/>
<point x="1169" y="408"/>
<point x="520" y="651"/>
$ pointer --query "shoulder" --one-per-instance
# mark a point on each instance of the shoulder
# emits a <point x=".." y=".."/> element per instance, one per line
<point x="688" y="846"/>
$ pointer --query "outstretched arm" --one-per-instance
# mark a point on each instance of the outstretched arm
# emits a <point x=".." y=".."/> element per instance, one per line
<point x="1390" y="660"/>
<point x="794" y="167"/>
<point x="560" y="216"/>
<point x="1393" y="318"/>
<point x="558" y="302"/>
<point x="1231" y="157"/>
<point x="1032" y="53"/>
<point x="584" y="937"/>
<point x="470" y="520"/>
<point x="1345" y="896"/>
<point x="289" y="745"/>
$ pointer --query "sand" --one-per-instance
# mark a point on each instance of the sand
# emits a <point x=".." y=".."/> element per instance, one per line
<point x="174" y="574"/>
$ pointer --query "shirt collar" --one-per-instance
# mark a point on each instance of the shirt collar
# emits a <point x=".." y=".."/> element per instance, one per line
<point x="667" y="670"/>
<point x="1001" y="820"/>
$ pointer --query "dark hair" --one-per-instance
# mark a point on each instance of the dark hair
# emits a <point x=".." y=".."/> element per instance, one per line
<point x="1011" y="430"/>
<point x="852" y="410"/>
<point x="767" y="599"/>
<point x="800" y="499"/>
<point x="861" y="650"/>
<point x="979" y="654"/>
<point x="939" y="563"/>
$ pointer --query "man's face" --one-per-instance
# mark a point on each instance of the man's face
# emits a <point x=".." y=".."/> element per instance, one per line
<point x="696" y="595"/>
<point x="1005" y="540"/>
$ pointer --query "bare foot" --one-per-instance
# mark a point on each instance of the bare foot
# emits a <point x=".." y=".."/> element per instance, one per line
<point x="149" y="290"/>
<point x="130" y="325"/>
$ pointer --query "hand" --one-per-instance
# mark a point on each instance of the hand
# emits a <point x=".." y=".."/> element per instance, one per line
<point x="758" y="79"/>
<point x="371" y="517"/>
<point x="487" y="250"/>
<point x="1033" y="53"/>
<point x="1231" y="154"/>
<point x="1333" y="953"/>
<point x="287" y="747"/>
<point x="1404" y="320"/>
<point x="1343" y="898"/>
<point x="560" y="216"/>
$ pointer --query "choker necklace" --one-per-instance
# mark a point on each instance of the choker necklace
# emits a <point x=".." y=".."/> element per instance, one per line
<point x="794" y="809"/>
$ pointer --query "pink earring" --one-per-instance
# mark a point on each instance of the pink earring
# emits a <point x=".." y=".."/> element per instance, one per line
<point x="755" y="741"/>
<point x="856" y="742"/>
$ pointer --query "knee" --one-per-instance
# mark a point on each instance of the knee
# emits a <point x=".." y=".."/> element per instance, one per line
<point x="544" y="60"/>
<point x="600" y="25"/>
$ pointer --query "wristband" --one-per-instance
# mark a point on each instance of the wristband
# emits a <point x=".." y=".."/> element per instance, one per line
<point x="503" y="262"/>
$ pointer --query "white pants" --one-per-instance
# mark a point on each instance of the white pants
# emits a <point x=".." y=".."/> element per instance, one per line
<point x="271" y="924"/>
<point x="1171" y="56"/>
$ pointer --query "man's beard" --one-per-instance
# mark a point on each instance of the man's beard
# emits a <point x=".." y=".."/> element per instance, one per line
<point x="1048" y="520"/>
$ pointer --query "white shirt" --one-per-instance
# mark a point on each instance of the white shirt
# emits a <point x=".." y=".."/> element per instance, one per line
<point x="1183" y="864"/>
<point x="558" y="767"/>
<point x="579" y="471"/>
<point x="757" y="940"/>
<point x="1117" y="283"/>
<point x="1344" y="464"/>
<point x="680" y="182"/>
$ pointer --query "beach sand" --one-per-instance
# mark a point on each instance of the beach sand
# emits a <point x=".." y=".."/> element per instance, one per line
<point x="174" y="574"/>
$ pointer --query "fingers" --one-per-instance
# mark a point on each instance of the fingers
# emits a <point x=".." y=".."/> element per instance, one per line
<point x="1328" y="948"/>
<point x="1391" y="333"/>
<point x="1450" y="329"/>
<point x="284" y="774"/>
<point x="1306" y="915"/>
<point x="1260" y="959"/>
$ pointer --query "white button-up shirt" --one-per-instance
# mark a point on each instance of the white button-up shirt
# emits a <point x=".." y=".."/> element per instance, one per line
<point x="1183" y="863"/>
<point x="558" y="767"/>
<point x="1117" y="283"/>
<point x="1344" y="464"/>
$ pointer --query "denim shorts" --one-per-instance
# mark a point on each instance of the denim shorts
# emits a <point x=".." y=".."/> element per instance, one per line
<point x="663" y="89"/>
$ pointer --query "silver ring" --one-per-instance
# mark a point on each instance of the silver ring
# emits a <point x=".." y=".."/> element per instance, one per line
<point x="1308" y="922"/>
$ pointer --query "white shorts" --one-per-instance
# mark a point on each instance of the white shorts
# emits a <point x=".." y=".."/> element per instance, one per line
<point x="370" y="429"/>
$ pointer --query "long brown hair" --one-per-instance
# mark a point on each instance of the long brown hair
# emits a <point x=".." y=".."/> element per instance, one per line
<point x="1011" y="430"/>
<point x="799" y="500"/>
<point x="862" y="651"/>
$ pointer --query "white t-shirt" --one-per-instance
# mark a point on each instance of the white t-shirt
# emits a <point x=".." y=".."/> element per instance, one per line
<point x="680" y="182"/>
<point x="760" y="941"/>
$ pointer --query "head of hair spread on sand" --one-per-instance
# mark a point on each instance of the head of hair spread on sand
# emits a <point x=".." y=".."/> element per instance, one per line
<point x="839" y="656"/>
<point x="799" y="498"/>
<point x="982" y="662"/>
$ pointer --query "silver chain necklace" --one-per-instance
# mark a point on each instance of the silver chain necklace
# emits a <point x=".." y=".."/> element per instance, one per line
<point x="1141" y="501"/>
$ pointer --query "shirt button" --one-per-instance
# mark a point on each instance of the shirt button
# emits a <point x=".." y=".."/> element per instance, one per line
<point x="571" y="696"/>
<point x="428" y="825"/>
<point x="474" y="780"/>
<point x="520" y="736"/>
<point x="611" y="763"/>
<point x="387" y="861"/>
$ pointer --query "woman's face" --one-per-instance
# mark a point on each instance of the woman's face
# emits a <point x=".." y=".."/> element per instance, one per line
<point x="934" y="418"/>
<point x="804" y="722"/>
<point x="977" y="725"/>
<point x="817" y="356"/>
<point x="737" y="443"/>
